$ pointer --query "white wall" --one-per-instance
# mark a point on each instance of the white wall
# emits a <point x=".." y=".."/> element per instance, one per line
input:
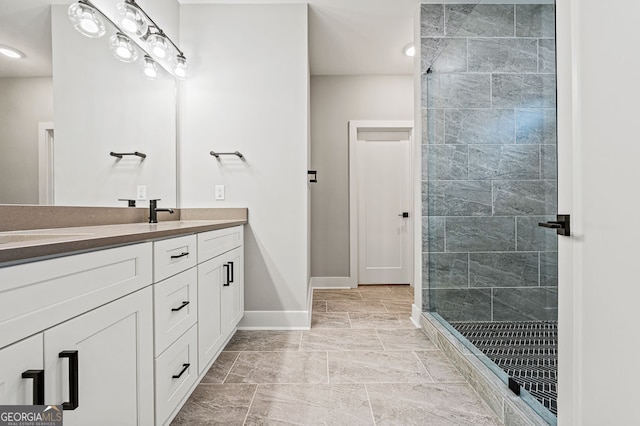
<point x="104" y="105"/>
<point x="335" y="100"/>
<point x="599" y="287"/>
<point x="248" y="91"/>
<point x="24" y="102"/>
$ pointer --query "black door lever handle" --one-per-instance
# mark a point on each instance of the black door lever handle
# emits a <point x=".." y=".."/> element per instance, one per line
<point x="551" y="224"/>
<point x="562" y="225"/>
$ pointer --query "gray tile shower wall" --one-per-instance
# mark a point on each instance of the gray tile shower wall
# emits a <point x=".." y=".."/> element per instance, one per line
<point x="489" y="161"/>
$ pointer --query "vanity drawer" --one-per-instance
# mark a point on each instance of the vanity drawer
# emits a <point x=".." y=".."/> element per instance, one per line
<point x="181" y="357"/>
<point x="175" y="307"/>
<point x="38" y="295"/>
<point x="215" y="243"/>
<point x="173" y="256"/>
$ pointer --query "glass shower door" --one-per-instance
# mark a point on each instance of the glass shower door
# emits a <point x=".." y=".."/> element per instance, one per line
<point x="489" y="178"/>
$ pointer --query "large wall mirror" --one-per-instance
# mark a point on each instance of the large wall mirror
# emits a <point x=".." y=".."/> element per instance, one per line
<point x="69" y="103"/>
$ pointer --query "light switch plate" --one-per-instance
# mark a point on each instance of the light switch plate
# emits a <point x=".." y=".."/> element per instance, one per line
<point x="219" y="192"/>
<point x="141" y="192"/>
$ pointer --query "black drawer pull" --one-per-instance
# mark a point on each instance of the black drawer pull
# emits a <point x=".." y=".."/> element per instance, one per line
<point x="185" y="367"/>
<point x="185" y="303"/>
<point x="226" y="268"/>
<point x="231" y="267"/>
<point x="178" y="256"/>
<point x="38" y="385"/>
<point x="73" y="379"/>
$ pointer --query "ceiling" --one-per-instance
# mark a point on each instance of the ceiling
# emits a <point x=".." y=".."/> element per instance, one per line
<point x="346" y="37"/>
<point x="26" y="26"/>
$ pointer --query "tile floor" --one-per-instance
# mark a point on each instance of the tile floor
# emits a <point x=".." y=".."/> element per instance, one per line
<point x="362" y="363"/>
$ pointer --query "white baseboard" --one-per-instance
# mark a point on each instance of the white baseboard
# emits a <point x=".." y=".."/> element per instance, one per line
<point x="332" y="282"/>
<point x="275" y="320"/>
<point x="415" y="315"/>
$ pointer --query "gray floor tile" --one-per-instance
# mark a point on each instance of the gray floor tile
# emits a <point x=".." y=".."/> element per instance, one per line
<point x="376" y="367"/>
<point x="336" y="295"/>
<point x="219" y="370"/>
<point x="315" y="404"/>
<point x="216" y="404"/>
<point x="319" y="305"/>
<point x="279" y="367"/>
<point x="380" y="320"/>
<point x="250" y="340"/>
<point x="398" y="306"/>
<point x="340" y="340"/>
<point x="432" y="404"/>
<point x="355" y="306"/>
<point x="439" y="366"/>
<point x="330" y="320"/>
<point x="405" y="340"/>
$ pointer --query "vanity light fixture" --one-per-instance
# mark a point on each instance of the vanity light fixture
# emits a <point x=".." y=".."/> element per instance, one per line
<point x="150" y="69"/>
<point x="10" y="52"/>
<point x="136" y="32"/>
<point x="85" y="18"/>
<point x="159" y="45"/>
<point x="131" y="19"/>
<point x="409" y="50"/>
<point x="180" y="68"/>
<point x="122" y="48"/>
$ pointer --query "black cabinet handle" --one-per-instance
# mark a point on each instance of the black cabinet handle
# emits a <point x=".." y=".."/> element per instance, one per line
<point x="179" y="308"/>
<point x="562" y="225"/>
<point x="226" y="268"/>
<point x="231" y="267"/>
<point x="178" y="256"/>
<point x="185" y="367"/>
<point x="73" y="379"/>
<point x="38" y="385"/>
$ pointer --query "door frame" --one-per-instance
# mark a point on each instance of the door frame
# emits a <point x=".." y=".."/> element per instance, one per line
<point x="374" y="125"/>
<point x="45" y="163"/>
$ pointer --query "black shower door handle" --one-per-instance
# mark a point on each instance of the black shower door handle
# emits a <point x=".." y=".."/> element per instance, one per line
<point x="562" y="225"/>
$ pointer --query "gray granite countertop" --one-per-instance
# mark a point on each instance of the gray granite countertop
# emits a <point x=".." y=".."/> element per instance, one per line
<point x="36" y="244"/>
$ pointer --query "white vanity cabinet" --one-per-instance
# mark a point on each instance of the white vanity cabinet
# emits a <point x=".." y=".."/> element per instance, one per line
<point x="99" y="363"/>
<point x="86" y="321"/>
<point x="175" y="315"/>
<point x="120" y="335"/>
<point x="22" y="372"/>
<point x="220" y="290"/>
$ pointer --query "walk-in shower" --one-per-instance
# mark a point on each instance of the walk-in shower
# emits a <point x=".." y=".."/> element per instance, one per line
<point x="489" y="177"/>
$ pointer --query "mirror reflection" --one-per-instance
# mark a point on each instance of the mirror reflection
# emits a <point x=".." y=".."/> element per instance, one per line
<point x="67" y="104"/>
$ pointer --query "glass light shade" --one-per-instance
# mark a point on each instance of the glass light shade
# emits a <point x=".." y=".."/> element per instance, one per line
<point x="180" y="68"/>
<point x="86" y="20"/>
<point x="159" y="45"/>
<point x="131" y="19"/>
<point x="122" y="48"/>
<point x="150" y="68"/>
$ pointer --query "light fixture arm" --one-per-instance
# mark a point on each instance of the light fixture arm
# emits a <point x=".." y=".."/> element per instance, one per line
<point x="154" y="25"/>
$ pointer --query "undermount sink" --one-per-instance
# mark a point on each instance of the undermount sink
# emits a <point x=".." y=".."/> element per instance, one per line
<point x="18" y="238"/>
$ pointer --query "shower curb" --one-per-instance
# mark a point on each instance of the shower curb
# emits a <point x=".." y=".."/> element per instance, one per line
<point x="509" y="408"/>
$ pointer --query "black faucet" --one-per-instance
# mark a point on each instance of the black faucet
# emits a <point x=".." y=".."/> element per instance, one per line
<point x="153" y="211"/>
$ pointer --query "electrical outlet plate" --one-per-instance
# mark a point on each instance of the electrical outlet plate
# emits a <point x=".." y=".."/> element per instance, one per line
<point x="219" y="192"/>
<point x="141" y="192"/>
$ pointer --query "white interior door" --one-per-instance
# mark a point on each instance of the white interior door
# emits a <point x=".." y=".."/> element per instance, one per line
<point x="384" y="182"/>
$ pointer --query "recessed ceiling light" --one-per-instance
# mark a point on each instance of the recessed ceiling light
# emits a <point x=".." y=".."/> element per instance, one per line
<point x="10" y="52"/>
<point x="409" y="50"/>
